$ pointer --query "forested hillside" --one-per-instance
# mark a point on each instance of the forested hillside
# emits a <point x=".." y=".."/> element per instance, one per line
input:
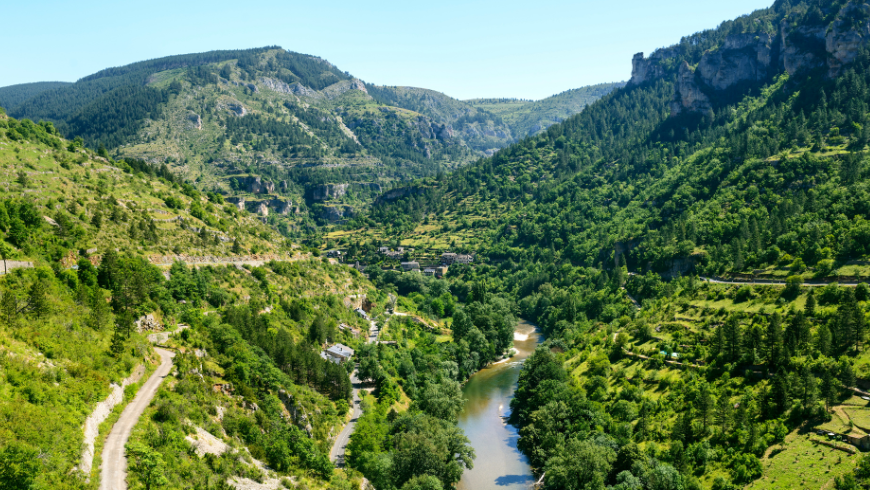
<point x="739" y="153"/>
<point x="529" y="117"/>
<point x="14" y="95"/>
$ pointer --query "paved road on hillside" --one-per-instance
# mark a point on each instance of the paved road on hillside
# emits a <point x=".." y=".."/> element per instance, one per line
<point x="768" y="282"/>
<point x="114" y="468"/>
<point x="336" y="454"/>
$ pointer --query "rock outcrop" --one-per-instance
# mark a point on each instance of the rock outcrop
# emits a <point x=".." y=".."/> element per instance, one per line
<point x="647" y="69"/>
<point x="285" y="88"/>
<point x="237" y="109"/>
<point x="336" y="213"/>
<point x="255" y="185"/>
<point x="324" y="192"/>
<point x="279" y="206"/>
<point x="343" y="86"/>
<point x="743" y="57"/>
<point x="847" y="35"/>
<point x="688" y="96"/>
<point x="195" y="120"/>
<point x="239" y="202"/>
<point x="803" y="47"/>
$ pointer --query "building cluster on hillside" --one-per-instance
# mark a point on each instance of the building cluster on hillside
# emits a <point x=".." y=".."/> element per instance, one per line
<point x="450" y="258"/>
<point x="392" y="254"/>
<point x="338" y="353"/>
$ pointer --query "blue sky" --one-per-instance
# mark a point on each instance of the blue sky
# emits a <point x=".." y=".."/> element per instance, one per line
<point x="465" y="48"/>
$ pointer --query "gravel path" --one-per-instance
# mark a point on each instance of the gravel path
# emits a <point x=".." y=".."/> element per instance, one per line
<point x="114" y="467"/>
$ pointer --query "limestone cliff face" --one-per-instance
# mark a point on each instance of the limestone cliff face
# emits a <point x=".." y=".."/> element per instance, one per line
<point x="742" y="57"/>
<point x="329" y="191"/>
<point x="849" y="32"/>
<point x="256" y="185"/>
<point x="336" y="213"/>
<point x="754" y="57"/>
<point x="688" y="96"/>
<point x="803" y="47"/>
<point x="647" y="69"/>
<point x="325" y="192"/>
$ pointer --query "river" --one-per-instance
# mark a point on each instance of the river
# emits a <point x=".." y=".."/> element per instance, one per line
<point x="499" y="464"/>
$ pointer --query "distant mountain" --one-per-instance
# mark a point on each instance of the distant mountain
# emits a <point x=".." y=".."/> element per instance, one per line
<point x="490" y="124"/>
<point x="15" y="95"/>
<point x="526" y="117"/>
<point x="223" y="117"/>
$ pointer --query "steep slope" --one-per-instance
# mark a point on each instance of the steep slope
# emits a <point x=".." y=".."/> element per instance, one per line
<point x="740" y="152"/>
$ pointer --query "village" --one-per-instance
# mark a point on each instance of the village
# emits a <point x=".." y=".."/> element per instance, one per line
<point x="431" y="266"/>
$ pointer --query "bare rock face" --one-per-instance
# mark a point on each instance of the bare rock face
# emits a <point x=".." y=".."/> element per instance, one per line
<point x="237" y="109"/>
<point x="445" y="132"/>
<point x="336" y="213"/>
<point x="302" y="90"/>
<point x="195" y="120"/>
<point x="688" y="96"/>
<point x="283" y="186"/>
<point x="262" y="209"/>
<point x="281" y="206"/>
<point x="239" y="202"/>
<point x="646" y="69"/>
<point x="803" y="47"/>
<point x="256" y="185"/>
<point x="848" y="33"/>
<point x="357" y="84"/>
<point x="329" y="191"/>
<point x="743" y="57"/>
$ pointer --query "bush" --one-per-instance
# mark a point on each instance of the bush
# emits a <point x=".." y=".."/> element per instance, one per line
<point x="745" y="293"/>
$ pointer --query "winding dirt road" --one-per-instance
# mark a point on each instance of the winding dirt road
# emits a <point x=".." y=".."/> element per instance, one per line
<point x="113" y="472"/>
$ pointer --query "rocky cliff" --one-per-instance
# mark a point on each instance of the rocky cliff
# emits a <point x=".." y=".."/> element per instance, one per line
<point x="742" y="57"/>
<point x="325" y="192"/>
<point x="798" y="45"/>
<point x="688" y="96"/>
<point x="255" y="185"/>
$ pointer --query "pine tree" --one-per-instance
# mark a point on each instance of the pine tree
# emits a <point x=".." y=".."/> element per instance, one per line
<point x="810" y="307"/>
<point x="9" y="308"/>
<point x="823" y="340"/>
<point x="37" y="300"/>
<point x="731" y="339"/>
<point x="773" y="342"/>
